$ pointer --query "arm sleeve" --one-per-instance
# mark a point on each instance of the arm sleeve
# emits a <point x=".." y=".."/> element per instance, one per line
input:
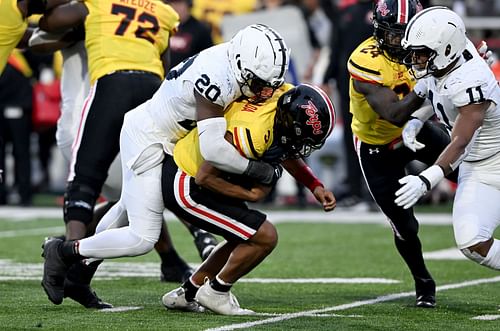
<point x="216" y="149"/>
<point x="425" y="112"/>
<point x="421" y="88"/>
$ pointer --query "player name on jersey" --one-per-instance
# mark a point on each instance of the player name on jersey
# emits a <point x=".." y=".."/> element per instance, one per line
<point x="146" y="4"/>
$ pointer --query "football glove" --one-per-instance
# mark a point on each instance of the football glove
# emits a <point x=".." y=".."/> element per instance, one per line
<point x="414" y="187"/>
<point x="486" y="54"/>
<point x="410" y="132"/>
<point x="263" y="172"/>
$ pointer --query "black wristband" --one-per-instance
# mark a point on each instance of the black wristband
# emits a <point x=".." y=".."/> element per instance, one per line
<point x="426" y="182"/>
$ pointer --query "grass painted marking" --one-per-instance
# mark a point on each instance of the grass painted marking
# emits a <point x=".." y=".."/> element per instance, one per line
<point x="384" y="298"/>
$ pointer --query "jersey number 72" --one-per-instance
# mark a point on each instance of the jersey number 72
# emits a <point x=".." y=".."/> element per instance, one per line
<point x="142" y="31"/>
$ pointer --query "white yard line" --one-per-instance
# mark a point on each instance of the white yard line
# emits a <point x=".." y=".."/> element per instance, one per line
<point x="486" y="317"/>
<point x="293" y="216"/>
<point x="355" y="304"/>
<point x="32" y="232"/>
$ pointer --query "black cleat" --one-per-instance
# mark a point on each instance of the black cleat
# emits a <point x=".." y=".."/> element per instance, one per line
<point x="84" y="295"/>
<point x="54" y="271"/>
<point x="205" y="243"/>
<point x="426" y="301"/>
<point x="426" y="293"/>
<point x="175" y="273"/>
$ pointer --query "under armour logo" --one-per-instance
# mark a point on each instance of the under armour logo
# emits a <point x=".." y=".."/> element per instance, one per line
<point x="373" y="151"/>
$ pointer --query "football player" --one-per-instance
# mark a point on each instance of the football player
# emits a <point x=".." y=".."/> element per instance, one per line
<point x="195" y="93"/>
<point x="465" y="96"/>
<point x="126" y="59"/>
<point x="288" y="127"/>
<point x="74" y="88"/>
<point x="14" y="31"/>
<point x="378" y="80"/>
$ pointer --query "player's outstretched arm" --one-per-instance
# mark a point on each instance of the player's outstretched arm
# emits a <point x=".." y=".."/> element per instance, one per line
<point x="467" y="126"/>
<point x="304" y="175"/>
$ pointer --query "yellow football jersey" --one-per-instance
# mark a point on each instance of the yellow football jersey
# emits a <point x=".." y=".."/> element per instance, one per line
<point x="12" y="28"/>
<point x="213" y="11"/>
<point x="250" y="124"/>
<point x="368" y="64"/>
<point x="127" y="35"/>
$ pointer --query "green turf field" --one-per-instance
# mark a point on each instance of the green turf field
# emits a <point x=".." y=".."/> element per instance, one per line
<point x="285" y="290"/>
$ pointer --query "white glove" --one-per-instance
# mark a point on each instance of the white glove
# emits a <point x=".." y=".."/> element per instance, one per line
<point x="410" y="132"/>
<point x="486" y="54"/>
<point x="41" y="37"/>
<point x="414" y="187"/>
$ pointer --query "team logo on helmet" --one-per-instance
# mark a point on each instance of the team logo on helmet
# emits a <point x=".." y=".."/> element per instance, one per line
<point x="382" y="8"/>
<point x="313" y="121"/>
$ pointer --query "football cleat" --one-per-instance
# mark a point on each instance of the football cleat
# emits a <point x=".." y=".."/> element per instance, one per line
<point x="205" y="243"/>
<point x="175" y="273"/>
<point x="176" y="299"/>
<point x="426" y="293"/>
<point x="224" y="303"/>
<point x="84" y="295"/>
<point x="54" y="271"/>
<point x="426" y="301"/>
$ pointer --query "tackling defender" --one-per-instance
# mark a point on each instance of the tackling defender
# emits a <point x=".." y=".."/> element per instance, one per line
<point x="285" y="129"/>
<point x="252" y="65"/>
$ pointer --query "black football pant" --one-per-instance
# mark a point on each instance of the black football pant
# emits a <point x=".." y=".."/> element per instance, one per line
<point x="383" y="166"/>
<point x="114" y="95"/>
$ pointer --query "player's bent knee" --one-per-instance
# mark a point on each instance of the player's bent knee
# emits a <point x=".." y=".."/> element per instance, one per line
<point x="79" y="202"/>
<point x="266" y="236"/>
<point x="141" y="246"/>
<point x="144" y="247"/>
<point x="486" y="253"/>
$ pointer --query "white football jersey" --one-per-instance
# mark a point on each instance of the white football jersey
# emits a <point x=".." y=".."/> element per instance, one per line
<point x="471" y="82"/>
<point x="173" y="106"/>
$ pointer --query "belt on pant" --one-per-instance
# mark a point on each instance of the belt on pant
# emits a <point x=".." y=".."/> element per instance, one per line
<point x="133" y="72"/>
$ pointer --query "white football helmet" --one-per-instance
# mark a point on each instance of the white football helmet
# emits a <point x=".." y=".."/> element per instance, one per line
<point x="437" y="33"/>
<point x="259" y="58"/>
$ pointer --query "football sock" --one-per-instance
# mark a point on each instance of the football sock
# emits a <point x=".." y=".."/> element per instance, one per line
<point x="171" y="258"/>
<point x="82" y="273"/>
<point x="69" y="251"/>
<point x="190" y="289"/>
<point x="411" y="251"/>
<point x="219" y="285"/>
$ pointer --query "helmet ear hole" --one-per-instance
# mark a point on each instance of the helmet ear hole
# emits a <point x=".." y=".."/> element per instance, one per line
<point x="238" y="62"/>
<point x="447" y="51"/>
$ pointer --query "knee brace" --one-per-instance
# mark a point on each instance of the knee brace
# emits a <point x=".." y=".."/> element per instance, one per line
<point x="79" y="202"/>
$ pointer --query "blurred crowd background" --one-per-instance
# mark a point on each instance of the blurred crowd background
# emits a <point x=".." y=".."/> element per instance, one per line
<point x="321" y="34"/>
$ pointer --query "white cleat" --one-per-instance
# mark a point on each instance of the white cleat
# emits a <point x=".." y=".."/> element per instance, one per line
<point x="176" y="299"/>
<point x="224" y="303"/>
